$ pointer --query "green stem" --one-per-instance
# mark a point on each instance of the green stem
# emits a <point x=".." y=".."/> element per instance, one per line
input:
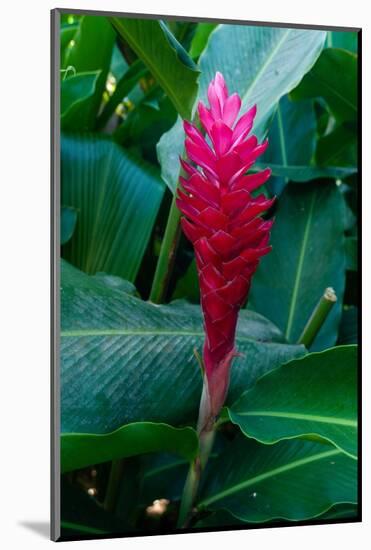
<point x="167" y="255"/>
<point x="189" y="493"/>
<point x="206" y="440"/>
<point x="318" y="317"/>
<point x="116" y="473"/>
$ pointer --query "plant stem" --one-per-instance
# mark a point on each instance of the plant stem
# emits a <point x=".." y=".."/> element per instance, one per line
<point x="113" y="485"/>
<point x="206" y="439"/>
<point x="318" y="317"/>
<point x="167" y="255"/>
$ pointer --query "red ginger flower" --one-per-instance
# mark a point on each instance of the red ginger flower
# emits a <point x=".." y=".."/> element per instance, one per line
<point x="221" y="219"/>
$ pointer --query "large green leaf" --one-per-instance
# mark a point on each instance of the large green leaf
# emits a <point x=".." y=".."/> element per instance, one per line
<point x="92" y="51"/>
<point x="79" y="450"/>
<point x="167" y="60"/>
<point x="260" y="63"/>
<point x="117" y="197"/>
<point x="218" y="520"/>
<point x="308" y="256"/>
<point x="293" y="480"/>
<point x="221" y="518"/>
<point x="324" y="81"/>
<point x="292" y="138"/>
<point x="124" y="360"/>
<point x="294" y="400"/>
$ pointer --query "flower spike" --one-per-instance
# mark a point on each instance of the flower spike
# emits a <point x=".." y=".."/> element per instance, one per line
<point x="222" y="220"/>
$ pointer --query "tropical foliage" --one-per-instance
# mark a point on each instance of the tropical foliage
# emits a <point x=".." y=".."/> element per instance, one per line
<point x="286" y="448"/>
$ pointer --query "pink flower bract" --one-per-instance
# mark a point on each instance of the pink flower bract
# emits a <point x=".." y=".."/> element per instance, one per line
<point x="222" y="220"/>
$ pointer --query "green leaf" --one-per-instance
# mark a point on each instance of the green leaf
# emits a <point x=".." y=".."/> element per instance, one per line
<point x="92" y="51"/>
<point x="76" y="93"/>
<point x="323" y="81"/>
<point x="348" y="40"/>
<point x="307" y="257"/>
<point x="67" y="33"/>
<point x="153" y="115"/>
<point x="117" y="196"/>
<point x="338" y="148"/>
<point x="124" y="360"/>
<point x="306" y="173"/>
<point x="221" y="518"/>
<point x="294" y="480"/>
<point x="292" y="138"/>
<point x="68" y="223"/>
<point x="293" y="400"/>
<point x="79" y="450"/>
<point x="260" y="63"/>
<point x="341" y="511"/>
<point x="200" y="38"/>
<point x="167" y="60"/>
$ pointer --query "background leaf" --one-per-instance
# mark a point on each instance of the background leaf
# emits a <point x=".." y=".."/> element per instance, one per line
<point x="79" y="450"/>
<point x="124" y="360"/>
<point x="338" y="148"/>
<point x="308" y="256"/>
<point x="294" y="480"/>
<point x="348" y="40"/>
<point x="126" y="83"/>
<point x="167" y="60"/>
<point x="200" y="38"/>
<point x="323" y="81"/>
<point x="94" y="34"/>
<point x="68" y="223"/>
<point x="302" y="174"/>
<point x="260" y="63"/>
<point x="76" y="94"/>
<point x="292" y="138"/>
<point x="117" y="196"/>
<point x="294" y="400"/>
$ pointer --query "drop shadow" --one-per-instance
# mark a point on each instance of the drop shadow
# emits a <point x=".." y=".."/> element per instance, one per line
<point x="41" y="528"/>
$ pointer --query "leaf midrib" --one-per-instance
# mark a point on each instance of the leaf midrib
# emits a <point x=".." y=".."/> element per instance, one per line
<point x="294" y="297"/>
<point x="266" y="475"/>
<point x="265" y="65"/>
<point x="300" y="416"/>
<point x="141" y="332"/>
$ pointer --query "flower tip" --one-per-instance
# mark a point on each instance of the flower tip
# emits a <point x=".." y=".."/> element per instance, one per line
<point x="219" y="77"/>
